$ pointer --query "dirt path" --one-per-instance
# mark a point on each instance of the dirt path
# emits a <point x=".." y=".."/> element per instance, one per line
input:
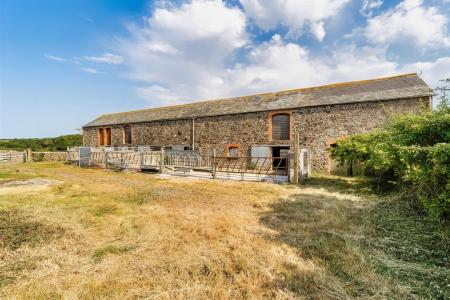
<point x="26" y="186"/>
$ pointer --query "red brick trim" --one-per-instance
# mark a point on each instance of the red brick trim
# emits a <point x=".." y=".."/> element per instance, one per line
<point x="280" y="112"/>
<point x="228" y="146"/>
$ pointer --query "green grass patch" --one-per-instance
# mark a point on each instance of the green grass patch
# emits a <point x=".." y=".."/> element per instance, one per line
<point x="15" y="174"/>
<point x="10" y="272"/>
<point x="373" y="247"/>
<point x="348" y="185"/>
<point x="16" y="229"/>
<point x="159" y="193"/>
<point x="106" y="209"/>
<point x="100" y="253"/>
<point x="414" y="249"/>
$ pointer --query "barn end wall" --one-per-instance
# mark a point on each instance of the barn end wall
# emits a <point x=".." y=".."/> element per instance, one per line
<point x="317" y="128"/>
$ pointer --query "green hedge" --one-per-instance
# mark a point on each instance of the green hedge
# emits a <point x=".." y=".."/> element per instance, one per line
<point x="411" y="153"/>
<point x="59" y="143"/>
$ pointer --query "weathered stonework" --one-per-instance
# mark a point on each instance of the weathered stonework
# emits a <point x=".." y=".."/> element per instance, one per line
<point x="48" y="156"/>
<point x="317" y="127"/>
<point x="321" y="126"/>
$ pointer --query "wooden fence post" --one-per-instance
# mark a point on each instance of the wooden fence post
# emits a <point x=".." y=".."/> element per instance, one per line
<point x="141" y="159"/>
<point x="161" y="161"/>
<point x="106" y="160"/>
<point x="296" y="158"/>
<point x="29" y="155"/>
<point x="213" y="166"/>
<point x="309" y="163"/>
<point x="302" y="165"/>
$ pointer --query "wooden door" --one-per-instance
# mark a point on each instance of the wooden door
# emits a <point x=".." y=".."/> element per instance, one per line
<point x="101" y="137"/>
<point x="108" y="137"/>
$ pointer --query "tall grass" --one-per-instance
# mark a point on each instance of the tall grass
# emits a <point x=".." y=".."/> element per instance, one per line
<point x="117" y="236"/>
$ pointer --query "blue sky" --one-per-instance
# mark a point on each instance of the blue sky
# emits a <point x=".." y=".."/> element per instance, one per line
<point x="62" y="63"/>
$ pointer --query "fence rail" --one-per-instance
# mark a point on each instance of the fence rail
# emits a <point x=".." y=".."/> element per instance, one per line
<point x="253" y="165"/>
<point x="12" y="156"/>
<point x="296" y="165"/>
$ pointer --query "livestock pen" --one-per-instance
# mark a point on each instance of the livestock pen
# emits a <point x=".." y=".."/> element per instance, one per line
<point x="290" y="168"/>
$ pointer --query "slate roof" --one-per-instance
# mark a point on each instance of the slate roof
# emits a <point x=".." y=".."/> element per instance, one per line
<point x="388" y="88"/>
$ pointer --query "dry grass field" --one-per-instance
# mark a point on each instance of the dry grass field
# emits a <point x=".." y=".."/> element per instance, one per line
<point x="74" y="233"/>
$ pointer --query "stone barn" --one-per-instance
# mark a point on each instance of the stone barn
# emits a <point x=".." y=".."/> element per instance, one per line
<point x="266" y="124"/>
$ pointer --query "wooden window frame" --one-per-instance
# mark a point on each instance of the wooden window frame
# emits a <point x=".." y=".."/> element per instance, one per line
<point x="124" y="135"/>
<point x="280" y="112"/>
<point x="101" y="137"/>
<point x="229" y="146"/>
<point x="106" y="136"/>
<point x="103" y="142"/>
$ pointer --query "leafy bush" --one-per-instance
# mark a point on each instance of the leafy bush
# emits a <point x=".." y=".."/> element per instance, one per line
<point x="411" y="153"/>
<point x="59" y="143"/>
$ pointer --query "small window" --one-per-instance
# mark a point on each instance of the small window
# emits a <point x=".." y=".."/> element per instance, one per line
<point x="233" y="152"/>
<point x="280" y="127"/>
<point x="101" y="137"/>
<point x="127" y="135"/>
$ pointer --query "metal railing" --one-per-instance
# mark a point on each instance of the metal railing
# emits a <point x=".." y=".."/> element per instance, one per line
<point x="259" y="168"/>
<point x="186" y="159"/>
<point x="252" y="165"/>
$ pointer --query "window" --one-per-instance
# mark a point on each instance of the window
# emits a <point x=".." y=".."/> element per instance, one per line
<point x="101" y="137"/>
<point x="127" y="135"/>
<point x="280" y="127"/>
<point x="108" y="137"/>
<point x="104" y="136"/>
<point x="233" y="151"/>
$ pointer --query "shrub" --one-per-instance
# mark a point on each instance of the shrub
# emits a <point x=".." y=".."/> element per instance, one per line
<point x="412" y="152"/>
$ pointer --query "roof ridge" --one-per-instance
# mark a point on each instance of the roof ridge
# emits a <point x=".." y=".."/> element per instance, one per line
<point x="271" y="93"/>
<point x="348" y="83"/>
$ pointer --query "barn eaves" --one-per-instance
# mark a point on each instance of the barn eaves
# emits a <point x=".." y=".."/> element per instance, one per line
<point x="388" y="88"/>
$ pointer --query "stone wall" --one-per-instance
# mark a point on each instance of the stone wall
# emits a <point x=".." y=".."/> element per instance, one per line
<point x="48" y="156"/>
<point x="322" y="126"/>
<point x="317" y="128"/>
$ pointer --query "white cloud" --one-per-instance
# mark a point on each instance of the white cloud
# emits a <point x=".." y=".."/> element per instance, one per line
<point x="93" y="71"/>
<point x="318" y="30"/>
<point x="432" y="71"/>
<point x="368" y="6"/>
<point x="410" y="19"/>
<point x="277" y="65"/>
<point x="55" y="58"/>
<point x="177" y="61"/>
<point x="297" y="15"/>
<point x="184" y="49"/>
<point x="106" y="58"/>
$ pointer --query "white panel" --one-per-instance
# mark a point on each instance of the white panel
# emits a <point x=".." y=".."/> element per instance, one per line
<point x="260" y="151"/>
